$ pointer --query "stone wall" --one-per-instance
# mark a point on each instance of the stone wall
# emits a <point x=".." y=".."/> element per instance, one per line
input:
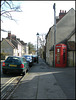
<point x="71" y="59"/>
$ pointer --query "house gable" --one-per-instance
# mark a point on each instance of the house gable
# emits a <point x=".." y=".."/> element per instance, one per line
<point x="10" y="43"/>
<point x="63" y="28"/>
<point x="6" y="47"/>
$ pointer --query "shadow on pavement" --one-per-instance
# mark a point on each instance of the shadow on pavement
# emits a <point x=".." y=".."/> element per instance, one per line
<point x="44" y="82"/>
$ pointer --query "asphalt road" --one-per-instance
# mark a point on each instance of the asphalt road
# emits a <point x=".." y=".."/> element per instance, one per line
<point x="66" y="80"/>
<point x="44" y="82"/>
<point x="8" y="82"/>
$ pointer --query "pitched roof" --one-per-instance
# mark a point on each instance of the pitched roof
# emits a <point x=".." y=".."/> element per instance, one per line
<point x="65" y="14"/>
<point x="58" y="22"/>
<point x="9" y="43"/>
<point x="22" y="42"/>
<point x="71" y="45"/>
<point x="14" y="42"/>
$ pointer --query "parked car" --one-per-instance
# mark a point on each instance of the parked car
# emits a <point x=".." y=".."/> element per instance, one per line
<point x="29" y="60"/>
<point x="15" y="64"/>
<point x="34" y="58"/>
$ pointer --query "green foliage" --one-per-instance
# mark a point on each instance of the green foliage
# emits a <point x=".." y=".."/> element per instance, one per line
<point x="31" y="47"/>
<point x="3" y="54"/>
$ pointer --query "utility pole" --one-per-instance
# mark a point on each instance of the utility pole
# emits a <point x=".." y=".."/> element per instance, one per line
<point x="54" y="31"/>
<point x="37" y="46"/>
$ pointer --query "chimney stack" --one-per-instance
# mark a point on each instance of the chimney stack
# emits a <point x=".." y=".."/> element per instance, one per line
<point x="62" y="14"/>
<point x="60" y="11"/>
<point x="9" y="34"/>
<point x="13" y="36"/>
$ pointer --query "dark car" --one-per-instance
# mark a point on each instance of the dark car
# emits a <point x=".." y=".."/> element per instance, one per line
<point x="29" y="60"/>
<point x="34" y="58"/>
<point x="15" y="64"/>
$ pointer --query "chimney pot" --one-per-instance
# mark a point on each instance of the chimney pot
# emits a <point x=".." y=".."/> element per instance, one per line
<point x="9" y="34"/>
<point x="60" y="11"/>
<point x="13" y="36"/>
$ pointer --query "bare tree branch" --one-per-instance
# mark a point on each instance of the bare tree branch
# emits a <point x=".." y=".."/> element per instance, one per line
<point x="3" y="3"/>
<point x="4" y="30"/>
<point x="8" y="4"/>
<point x="11" y="8"/>
<point x="7" y="8"/>
<point x="7" y="12"/>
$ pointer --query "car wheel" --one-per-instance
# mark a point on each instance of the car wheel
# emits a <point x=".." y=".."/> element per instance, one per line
<point x="4" y="71"/>
<point x="30" y="65"/>
<point x="27" y="70"/>
<point x="23" y="73"/>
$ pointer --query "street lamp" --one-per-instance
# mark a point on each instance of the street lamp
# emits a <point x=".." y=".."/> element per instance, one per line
<point x="54" y="30"/>
<point x="37" y="46"/>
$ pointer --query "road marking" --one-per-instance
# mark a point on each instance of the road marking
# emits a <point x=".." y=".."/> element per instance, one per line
<point x="7" y="83"/>
<point x="17" y="86"/>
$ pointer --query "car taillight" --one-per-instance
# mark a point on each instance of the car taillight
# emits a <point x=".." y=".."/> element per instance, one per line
<point x="22" y="66"/>
<point x="3" y="64"/>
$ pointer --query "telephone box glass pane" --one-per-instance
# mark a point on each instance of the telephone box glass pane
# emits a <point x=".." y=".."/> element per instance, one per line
<point x="58" y="56"/>
<point x="58" y="50"/>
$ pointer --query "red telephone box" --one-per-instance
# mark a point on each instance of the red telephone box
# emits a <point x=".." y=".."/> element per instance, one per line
<point x="60" y="55"/>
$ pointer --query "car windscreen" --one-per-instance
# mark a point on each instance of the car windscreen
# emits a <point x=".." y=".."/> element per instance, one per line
<point x="13" y="59"/>
<point x="28" y="57"/>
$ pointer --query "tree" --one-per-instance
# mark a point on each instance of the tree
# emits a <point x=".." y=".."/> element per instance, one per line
<point x="7" y="7"/>
<point x="31" y="47"/>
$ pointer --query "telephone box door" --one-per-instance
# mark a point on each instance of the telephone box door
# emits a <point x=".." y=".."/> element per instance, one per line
<point x="60" y="55"/>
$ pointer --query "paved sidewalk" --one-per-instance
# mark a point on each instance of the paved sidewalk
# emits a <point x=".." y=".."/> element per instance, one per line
<point x="39" y="83"/>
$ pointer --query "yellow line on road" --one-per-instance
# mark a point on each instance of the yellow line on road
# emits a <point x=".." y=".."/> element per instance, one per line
<point x="7" y="83"/>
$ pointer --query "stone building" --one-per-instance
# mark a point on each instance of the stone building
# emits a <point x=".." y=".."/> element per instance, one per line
<point x="12" y="46"/>
<point x="65" y="33"/>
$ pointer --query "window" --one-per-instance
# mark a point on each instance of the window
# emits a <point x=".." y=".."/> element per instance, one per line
<point x="58" y="56"/>
<point x="24" y="60"/>
<point x="13" y="59"/>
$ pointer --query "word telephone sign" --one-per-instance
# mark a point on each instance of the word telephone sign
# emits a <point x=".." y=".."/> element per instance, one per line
<point x="60" y="55"/>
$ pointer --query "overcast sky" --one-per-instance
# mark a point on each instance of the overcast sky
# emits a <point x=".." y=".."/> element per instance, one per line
<point x="36" y="16"/>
